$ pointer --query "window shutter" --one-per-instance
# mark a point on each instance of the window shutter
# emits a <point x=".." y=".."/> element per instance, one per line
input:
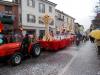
<point x="28" y="19"/>
<point x="27" y="2"/>
<point x="33" y="3"/>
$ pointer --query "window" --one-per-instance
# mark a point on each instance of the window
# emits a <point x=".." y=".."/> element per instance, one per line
<point x="41" y="8"/>
<point x="31" y="32"/>
<point x="8" y="9"/>
<point x="20" y="18"/>
<point x="59" y="15"/>
<point x="15" y="1"/>
<point x="7" y="19"/>
<point x="50" y="9"/>
<point x="31" y="3"/>
<point x="67" y="19"/>
<point x="40" y="21"/>
<point x="41" y="34"/>
<point x="63" y="18"/>
<point x="52" y="22"/>
<point x="31" y="18"/>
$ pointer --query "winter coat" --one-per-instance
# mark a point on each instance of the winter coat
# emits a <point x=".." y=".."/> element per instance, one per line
<point x="97" y="42"/>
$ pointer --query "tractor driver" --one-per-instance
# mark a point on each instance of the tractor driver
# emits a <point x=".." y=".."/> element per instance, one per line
<point x="25" y="44"/>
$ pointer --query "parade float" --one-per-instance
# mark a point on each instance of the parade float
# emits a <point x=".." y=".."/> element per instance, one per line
<point x="51" y="43"/>
<point x="14" y="52"/>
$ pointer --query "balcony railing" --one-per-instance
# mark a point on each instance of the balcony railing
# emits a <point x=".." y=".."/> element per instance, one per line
<point x="61" y="19"/>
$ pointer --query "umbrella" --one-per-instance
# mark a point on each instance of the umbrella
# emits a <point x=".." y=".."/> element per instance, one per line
<point x="95" y="34"/>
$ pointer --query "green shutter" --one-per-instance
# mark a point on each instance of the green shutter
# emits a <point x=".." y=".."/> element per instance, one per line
<point x="6" y="20"/>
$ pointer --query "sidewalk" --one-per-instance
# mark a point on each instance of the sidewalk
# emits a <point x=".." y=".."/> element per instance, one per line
<point x="86" y="62"/>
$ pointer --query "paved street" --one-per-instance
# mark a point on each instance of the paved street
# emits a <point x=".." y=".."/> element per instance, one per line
<point x="49" y="63"/>
<point x="86" y="62"/>
<point x="81" y="60"/>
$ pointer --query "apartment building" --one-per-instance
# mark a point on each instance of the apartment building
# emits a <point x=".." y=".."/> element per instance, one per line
<point x="64" y="23"/>
<point x="70" y="24"/>
<point x="9" y="16"/>
<point x="31" y="11"/>
<point x="79" y="29"/>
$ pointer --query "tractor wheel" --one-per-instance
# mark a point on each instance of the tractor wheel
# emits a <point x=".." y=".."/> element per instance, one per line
<point x="36" y="50"/>
<point x="16" y="59"/>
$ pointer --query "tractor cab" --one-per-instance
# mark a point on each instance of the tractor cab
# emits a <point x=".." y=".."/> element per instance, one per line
<point x="14" y="51"/>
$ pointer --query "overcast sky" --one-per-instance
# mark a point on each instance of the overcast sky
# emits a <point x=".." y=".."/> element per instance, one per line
<point x="81" y="10"/>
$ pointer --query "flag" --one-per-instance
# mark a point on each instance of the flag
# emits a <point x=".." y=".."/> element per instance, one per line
<point x="1" y="26"/>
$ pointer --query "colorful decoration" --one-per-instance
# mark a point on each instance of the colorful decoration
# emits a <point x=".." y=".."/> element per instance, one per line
<point x="1" y="27"/>
<point x="46" y="19"/>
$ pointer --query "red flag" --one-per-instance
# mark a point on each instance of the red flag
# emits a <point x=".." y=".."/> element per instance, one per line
<point x="1" y="26"/>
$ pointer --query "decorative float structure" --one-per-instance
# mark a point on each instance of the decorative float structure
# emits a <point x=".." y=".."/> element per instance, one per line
<point x="49" y="42"/>
<point x="46" y="19"/>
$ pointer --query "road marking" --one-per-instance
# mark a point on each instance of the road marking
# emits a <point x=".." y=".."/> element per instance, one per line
<point x="67" y="66"/>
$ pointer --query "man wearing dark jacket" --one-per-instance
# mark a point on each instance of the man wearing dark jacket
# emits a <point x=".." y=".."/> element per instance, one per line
<point x="25" y="44"/>
<point x="5" y="40"/>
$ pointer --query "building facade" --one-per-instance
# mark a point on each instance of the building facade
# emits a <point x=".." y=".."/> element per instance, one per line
<point x="64" y="23"/>
<point x="96" y="22"/>
<point x="31" y="11"/>
<point x="9" y="16"/>
<point x="79" y="29"/>
<point x="70" y="24"/>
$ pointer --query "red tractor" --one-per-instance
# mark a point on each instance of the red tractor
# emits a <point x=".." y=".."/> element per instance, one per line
<point x="13" y="52"/>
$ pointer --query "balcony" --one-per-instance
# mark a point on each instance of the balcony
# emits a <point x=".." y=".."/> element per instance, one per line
<point x="61" y="19"/>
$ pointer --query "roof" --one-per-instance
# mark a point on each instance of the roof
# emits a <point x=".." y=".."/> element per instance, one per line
<point x="7" y="3"/>
<point x="49" y="2"/>
<point x="63" y="13"/>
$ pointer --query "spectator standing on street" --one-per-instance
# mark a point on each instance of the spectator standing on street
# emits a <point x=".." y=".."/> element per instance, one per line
<point x="92" y="39"/>
<point x="5" y="40"/>
<point x="98" y="46"/>
<point x="34" y="38"/>
<point x="41" y="36"/>
<point x="11" y="39"/>
<point x="25" y="44"/>
<point x="78" y="38"/>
